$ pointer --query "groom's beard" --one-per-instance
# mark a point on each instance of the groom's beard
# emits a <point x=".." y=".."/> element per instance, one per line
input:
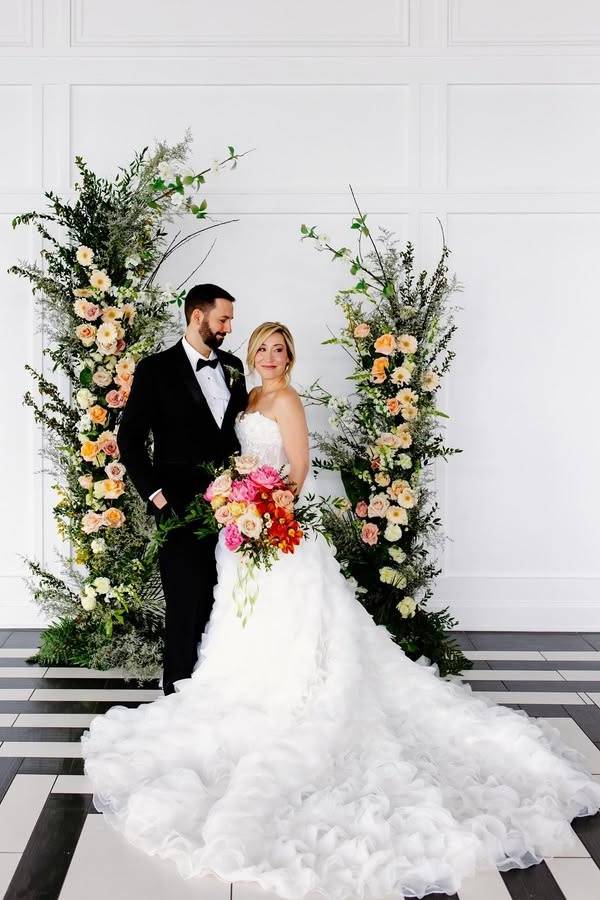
<point x="210" y="338"/>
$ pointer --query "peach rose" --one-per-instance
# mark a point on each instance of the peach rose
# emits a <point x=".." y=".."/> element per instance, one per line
<point x="92" y="522"/>
<point x="393" y="406"/>
<point x="222" y="484"/>
<point x="246" y="463"/>
<point x="113" y="517"/>
<point x="97" y="414"/>
<point x="378" y="370"/>
<point x="117" y="399"/>
<point x="223" y="515"/>
<point x="124" y="382"/>
<point x="362" y="330"/>
<point x="284" y="499"/>
<point x="113" y="489"/>
<point x="86" y="310"/>
<point x="370" y="533"/>
<point x="86" y="481"/>
<point x="102" y="377"/>
<point x="107" y="443"/>
<point x="361" y="509"/>
<point x="382" y="478"/>
<point x="86" y="334"/>
<point x="89" y="450"/>
<point x="386" y="343"/>
<point x="115" y="471"/>
<point x="378" y="505"/>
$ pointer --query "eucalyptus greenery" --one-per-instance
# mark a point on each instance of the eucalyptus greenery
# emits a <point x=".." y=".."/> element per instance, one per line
<point x="386" y="434"/>
<point x="103" y="309"/>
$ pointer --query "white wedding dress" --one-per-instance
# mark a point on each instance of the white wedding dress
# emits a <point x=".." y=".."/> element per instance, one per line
<point x="307" y="753"/>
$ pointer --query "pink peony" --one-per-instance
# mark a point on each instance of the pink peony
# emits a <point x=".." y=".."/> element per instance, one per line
<point x="370" y="533"/>
<point x="233" y="537"/>
<point x="244" y="490"/>
<point x="268" y="478"/>
<point x="361" y="509"/>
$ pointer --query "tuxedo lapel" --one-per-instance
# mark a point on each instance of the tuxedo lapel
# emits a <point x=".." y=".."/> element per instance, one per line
<point x="231" y="387"/>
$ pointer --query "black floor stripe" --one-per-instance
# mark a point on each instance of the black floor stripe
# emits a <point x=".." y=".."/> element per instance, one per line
<point x="51" y="765"/>
<point x="533" y="883"/>
<point x="588" y="719"/>
<point x="544" y="665"/>
<point x="49" y="851"/>
<point x="587" y="829"/>
<point x="528" y="640"/>
<point x="9" y="766"/>
<point x="549" y="710"/>
<point x="15" y="733"/>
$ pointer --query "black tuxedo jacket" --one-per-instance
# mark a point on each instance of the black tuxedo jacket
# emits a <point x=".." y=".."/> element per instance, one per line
<point x="167" y="401"/>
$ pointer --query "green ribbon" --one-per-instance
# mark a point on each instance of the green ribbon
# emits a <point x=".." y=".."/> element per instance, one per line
<point x="245" y="589"/>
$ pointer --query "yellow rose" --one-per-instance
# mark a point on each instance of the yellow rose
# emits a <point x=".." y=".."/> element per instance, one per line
<point x="97" y="414"/>
<point x="218" y="501"/>
<point x="236" y="508"/>
<point x="89" y="450"/>
<point x="113" y="517"/>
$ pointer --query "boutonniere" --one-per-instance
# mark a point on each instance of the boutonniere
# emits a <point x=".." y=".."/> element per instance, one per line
<point x="233" y="373"/>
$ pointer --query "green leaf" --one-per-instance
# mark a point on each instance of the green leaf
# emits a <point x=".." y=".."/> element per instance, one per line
<point x="438" y="412"/>
<point x="85" y="377"/>
<point x="203" y="205"/>
<point x="303" y="229"/>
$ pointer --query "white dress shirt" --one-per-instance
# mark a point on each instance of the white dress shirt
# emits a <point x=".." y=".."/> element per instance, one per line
<point x="212" y="384"/>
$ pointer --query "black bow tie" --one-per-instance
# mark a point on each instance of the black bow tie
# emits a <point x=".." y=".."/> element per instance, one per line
<point x="213" y="363"/>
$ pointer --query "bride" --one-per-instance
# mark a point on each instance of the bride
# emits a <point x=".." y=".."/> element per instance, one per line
<point x="307" y="753"/>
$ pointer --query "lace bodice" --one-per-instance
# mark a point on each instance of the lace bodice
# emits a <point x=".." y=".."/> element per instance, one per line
<point x="261" y="435"/>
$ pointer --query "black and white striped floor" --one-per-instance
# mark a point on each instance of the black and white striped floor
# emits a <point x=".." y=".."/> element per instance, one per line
<point x="53" y="845"/>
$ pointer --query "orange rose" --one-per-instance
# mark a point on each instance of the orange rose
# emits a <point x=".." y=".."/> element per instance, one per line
<point x="97" y="414"/>
<point x="113" y="517"/>
<point x="393" y="406"/>
<point x="89" y="450"/>
<point x="378" y="371"/>
<point x="385" y="344"/>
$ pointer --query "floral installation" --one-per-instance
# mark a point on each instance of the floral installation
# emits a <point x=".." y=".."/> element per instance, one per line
<point x="255" y="506"/>
<point x="103" y="310"/>
<point x="385" y="435"/>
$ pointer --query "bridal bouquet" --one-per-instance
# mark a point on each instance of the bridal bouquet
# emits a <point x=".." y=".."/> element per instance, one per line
<point x="255" y="507"/>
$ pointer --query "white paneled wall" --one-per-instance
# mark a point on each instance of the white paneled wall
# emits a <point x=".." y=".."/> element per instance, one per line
<point x="482" y="113"/>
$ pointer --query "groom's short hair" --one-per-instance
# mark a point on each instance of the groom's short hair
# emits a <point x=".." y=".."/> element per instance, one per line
<point x="203" y="296"/>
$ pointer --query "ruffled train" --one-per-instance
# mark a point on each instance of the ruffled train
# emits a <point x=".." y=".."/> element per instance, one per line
<point x="308" y="753"/>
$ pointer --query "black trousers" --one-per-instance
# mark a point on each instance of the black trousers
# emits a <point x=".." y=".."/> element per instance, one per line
<point x="188" y="574"/>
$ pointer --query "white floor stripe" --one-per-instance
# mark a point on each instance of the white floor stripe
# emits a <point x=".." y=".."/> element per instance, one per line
<point x="20" y="809"/>
<point x="52" y="720"/>
<point x="586" y="699"/>
<point x="247" y="891"/>
<point x="580" y="674"/>
<point x="72" y="784"/>
<point x="578" y="879"/>
<point x="22" y="671"/>
<point x="66" y="749"/>
<point x="511" y="675"/>
<point x="571" y="655"/>
<point x="8" y="865"/>
<point x="75" y="672"/>
<point x="519" y="655"/>
<point x="488" y="885"/>
<point x="7" y="719"/>
<point x="16" y="652"/>
<point x="557" y="698"/>
<point x="68" y="694"/>
<point x="575" y="737"/>
<point x="106" y="865"/>
<point x="16" y="694"/>
<point x="594" y="697"/>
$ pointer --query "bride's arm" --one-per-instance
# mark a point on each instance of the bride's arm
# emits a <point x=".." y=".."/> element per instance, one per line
<point x="290" y="415"/>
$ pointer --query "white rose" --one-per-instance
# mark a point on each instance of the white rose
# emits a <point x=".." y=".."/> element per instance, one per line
<point x="88" y="598"/>
<point x="249" y="524"/>
<point x="397" y="554"/>
<point x="102" y="584"/>
<point x="406" y="607"/>
<point x="392" y="533"/>
<point x="98" y="545"/>
<point x="85" y="398"/>
<point x="165" y="171"/>
<point x="246" y="463"/>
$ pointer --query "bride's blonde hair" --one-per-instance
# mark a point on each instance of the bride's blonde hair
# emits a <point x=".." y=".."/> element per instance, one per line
<point x="264" y="331"/>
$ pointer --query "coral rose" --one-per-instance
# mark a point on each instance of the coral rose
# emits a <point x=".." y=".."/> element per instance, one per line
<point x="361" y="509"/>
<point x="86" y="334"/>
<point x="117" y="399"/>
<point x="393" y="406"/>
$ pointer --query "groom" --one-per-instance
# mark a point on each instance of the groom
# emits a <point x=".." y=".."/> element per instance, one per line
<point x="188" y="396"/>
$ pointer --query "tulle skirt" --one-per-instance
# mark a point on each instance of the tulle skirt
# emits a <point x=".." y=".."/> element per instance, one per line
<point x="308" y="753"/>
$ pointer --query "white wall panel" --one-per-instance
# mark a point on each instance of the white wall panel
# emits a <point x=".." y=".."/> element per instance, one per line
<point x="238" y="22"/>
<point x="524" y="137"/>
<point x="306" y="136"/>
<point x="524" y="22"/>
<point x="481" y="113"/>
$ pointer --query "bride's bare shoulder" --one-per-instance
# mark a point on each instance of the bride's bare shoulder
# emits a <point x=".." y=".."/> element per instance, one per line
<point x="288" y="402"/>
